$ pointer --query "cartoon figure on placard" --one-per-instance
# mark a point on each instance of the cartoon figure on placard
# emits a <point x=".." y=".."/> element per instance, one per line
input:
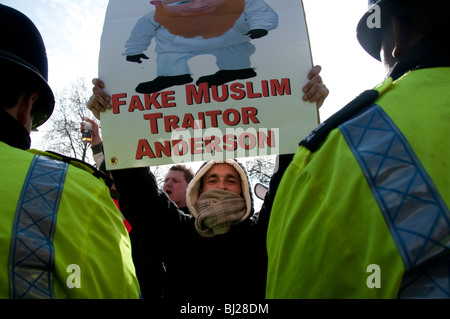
<point x="184" y="29"/>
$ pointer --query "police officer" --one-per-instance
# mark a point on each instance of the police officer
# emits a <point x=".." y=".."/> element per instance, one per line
<point x="362" y="209"/>
<point x="61" y="236"/>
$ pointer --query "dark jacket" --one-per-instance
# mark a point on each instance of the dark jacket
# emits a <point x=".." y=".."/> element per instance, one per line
<point x="224" y="267"/>
<point x="12" y="132"/>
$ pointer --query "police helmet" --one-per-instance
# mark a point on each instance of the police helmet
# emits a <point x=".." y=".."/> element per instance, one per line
<point x="22" y="47"/>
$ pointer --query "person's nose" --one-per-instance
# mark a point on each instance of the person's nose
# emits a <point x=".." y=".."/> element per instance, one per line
<point x="167" y="184"/>
<point x="222" y="185"/>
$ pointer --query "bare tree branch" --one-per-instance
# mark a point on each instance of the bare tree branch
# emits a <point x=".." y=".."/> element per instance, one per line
<point x="64" y="136"/>
<point x="260" y="169"/>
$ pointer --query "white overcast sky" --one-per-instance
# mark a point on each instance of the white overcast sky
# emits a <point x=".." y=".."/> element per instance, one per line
<point x="72" y="31"/>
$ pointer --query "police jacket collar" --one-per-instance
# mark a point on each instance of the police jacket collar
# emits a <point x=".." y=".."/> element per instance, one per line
<point x="427" y="53"/>
<point x="12" y="132"/>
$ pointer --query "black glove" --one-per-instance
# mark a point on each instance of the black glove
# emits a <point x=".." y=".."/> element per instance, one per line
<point x="137" y="58"/>
<point x="257" y="33"/>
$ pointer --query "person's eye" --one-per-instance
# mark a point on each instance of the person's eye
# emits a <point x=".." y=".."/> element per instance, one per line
<point x="178" y="3"/>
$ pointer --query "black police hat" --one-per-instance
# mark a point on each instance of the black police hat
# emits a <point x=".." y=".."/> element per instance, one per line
<point x="21" y="46"/>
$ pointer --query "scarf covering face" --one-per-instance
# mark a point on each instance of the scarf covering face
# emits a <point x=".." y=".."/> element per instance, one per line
<point x="218" y="210"/>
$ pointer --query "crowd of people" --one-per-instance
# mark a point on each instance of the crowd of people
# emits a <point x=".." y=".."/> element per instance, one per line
<point x="366" y="191"/>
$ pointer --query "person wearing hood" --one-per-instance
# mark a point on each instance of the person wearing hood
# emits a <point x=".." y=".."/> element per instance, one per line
<point x="209" y="254"/>
<point x="230" y="265"/>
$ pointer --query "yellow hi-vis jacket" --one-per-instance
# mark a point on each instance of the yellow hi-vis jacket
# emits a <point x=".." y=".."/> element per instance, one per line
<point x="61" y="235"/>
<point x="365" y="215"/>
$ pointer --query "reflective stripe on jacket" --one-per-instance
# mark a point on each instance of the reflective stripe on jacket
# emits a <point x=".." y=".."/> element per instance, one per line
<point x="352" y="204"/>
<point x="61" y="234"/>
<point x="32" y="255"/>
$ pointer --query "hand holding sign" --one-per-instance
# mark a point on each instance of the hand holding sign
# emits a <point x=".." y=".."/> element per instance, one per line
<point x="233" y="71"/>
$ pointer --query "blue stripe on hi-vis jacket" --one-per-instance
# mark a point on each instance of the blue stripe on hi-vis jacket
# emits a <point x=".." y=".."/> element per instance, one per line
<point x="31" y="262"/>
<point x="416" y="214"/>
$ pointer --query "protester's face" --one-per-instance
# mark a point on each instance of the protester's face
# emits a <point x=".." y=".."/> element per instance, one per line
<point x="175" y="186"/>
<point x="222" y="176"/>
<point x="191" y="7"/>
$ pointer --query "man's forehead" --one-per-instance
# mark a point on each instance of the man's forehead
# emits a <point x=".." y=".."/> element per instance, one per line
<point x="174" y="174"/>
<point x="222" y="168"/>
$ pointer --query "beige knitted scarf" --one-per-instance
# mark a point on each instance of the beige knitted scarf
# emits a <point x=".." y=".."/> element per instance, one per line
<point x="218" y="210"/>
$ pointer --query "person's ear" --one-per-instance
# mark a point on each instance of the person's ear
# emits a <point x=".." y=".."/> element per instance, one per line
<point x="24" y="110"/>
<point x="401" y="38"/>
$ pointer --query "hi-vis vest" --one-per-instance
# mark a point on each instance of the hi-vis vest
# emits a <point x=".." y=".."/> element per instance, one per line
<point x="61" y="234"/>
<point x="363" y="213"/>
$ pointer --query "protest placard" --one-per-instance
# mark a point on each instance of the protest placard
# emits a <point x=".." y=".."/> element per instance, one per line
<point x="192" y="82"/>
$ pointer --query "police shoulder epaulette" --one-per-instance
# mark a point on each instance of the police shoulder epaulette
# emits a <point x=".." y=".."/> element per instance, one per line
<point x="318" y="135"/>
<point x="77" y="163"/>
